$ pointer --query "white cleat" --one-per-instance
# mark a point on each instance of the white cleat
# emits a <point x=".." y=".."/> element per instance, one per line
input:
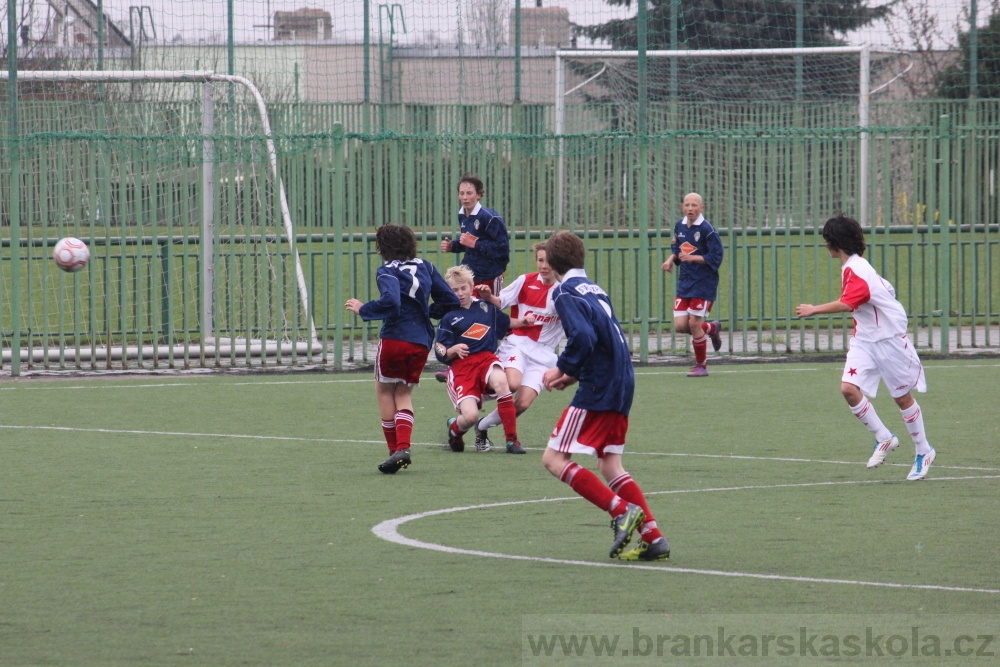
<point x="921" y="465"/>
<point x="881" y="449"/>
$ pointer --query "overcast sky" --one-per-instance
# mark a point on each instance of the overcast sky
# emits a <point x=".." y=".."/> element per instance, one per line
<point x="423" y="20"/>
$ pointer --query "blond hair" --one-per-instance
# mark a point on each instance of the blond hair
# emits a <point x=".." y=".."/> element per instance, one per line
<point x="459" y="274"/>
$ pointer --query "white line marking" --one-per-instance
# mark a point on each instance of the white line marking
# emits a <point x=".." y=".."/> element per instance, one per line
<point x="285" y="438"/>
<point x="389" y="530"/>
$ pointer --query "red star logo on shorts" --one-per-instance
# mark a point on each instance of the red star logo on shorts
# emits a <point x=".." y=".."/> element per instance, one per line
<point x="512" y="359"/>
<point x="852" y="371"/>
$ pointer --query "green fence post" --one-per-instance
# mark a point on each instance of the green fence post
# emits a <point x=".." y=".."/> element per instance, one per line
<point x="339" y="215"/>
<point x="944" y="188"/>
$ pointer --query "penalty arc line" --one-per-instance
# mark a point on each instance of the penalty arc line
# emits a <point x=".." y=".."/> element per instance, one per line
<point x="389" y="530"/>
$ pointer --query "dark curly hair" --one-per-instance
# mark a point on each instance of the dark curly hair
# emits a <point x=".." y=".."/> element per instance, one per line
<point x="394" y="242"/>
<point x="474" y="181"/>
<point x="843" y="233"/>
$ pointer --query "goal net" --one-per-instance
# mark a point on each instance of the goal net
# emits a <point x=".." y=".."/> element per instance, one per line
<point x="172" y="180"/>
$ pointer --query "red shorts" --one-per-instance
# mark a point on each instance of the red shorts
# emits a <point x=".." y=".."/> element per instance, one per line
<point x="467" y="378"/>
<point x="495" y="284"/>
<point x="399" y="361"/>
<point x="580" y="431"/>
<point x="699" y="307"/>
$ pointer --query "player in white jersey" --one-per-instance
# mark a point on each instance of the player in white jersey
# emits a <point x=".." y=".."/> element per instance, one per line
<point x="880" y="349"/>
<point x="526" y="353"/>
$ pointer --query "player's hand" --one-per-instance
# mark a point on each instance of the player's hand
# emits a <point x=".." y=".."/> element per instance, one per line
<point x="805" y="310"/>
<point x="668" y="265"/>
<point x="688" y="257"/>
<point x="485" y="291"/>
<point x="446" y="244"/>
<point x="529" y="319"/>
<point x="556" y="379"/>
<point x="468" y="240"/>
<point x="353" y="305"/>
<point x="461" y="350"/>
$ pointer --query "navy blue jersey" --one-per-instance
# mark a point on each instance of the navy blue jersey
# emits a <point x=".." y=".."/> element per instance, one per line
<point x="481" y="326"/>
<point x="696" y="280"/>
<point x="596" y="352"/>
<point x="406" y="288"/>
<point x="491" y="255"/>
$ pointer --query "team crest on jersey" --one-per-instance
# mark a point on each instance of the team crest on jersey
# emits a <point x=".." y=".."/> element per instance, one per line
<point x="476" y="332"/>
<point x="687" y="248"/>
<point x="697" y="236"/>
<point x="483" y="307"/>
<point x="475" y="225"/>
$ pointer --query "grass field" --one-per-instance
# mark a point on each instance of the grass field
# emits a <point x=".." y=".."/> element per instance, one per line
<point x="228" y="519"/>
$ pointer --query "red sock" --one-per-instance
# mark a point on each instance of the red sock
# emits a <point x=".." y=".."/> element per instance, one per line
<point x="707" y="327"/>
<point x="508" y="416"/>
<point x="389" y="431"/>
<point x="700" y="346"/>
<point x="589" y="485"/>
<point x="404" y="429"/>
<point x="454" y="429"/>
<point x="629" y="491"/>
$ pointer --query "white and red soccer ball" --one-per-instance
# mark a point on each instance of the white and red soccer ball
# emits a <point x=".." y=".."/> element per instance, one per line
<point x="71" y="254"/>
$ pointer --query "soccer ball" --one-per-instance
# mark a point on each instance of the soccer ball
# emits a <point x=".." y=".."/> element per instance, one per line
<point x="71" y="254"/>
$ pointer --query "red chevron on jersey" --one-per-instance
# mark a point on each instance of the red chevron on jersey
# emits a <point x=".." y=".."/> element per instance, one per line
<point x="476" y="331"/>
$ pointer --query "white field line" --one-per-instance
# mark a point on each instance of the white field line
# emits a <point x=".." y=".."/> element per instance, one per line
<point x="286" y="438"/>
<point x="389" y="530"/>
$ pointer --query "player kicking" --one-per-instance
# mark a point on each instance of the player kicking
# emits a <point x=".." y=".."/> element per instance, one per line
<point x="879" y="348"/>
<point x="596" y="421"/>
<point x="467" y="340"/>
<point x="406" y="284"/>
<point x="526" y="353"/>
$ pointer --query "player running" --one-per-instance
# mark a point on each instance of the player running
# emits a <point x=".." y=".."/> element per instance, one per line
<point x="528" y="352"/>
<point x="406" y="284"/>
<point x="467" y="341"/>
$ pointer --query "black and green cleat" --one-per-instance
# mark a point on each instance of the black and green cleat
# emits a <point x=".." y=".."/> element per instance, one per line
<point x="399" y="459"/>
<point x="659" y="549"/>
<point x="624" y="525"/>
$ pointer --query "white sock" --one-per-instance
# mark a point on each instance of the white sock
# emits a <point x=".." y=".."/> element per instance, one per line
<point x="865" y="412"/>
<point x="914" y="420"/>
<point x="489" y="421"/>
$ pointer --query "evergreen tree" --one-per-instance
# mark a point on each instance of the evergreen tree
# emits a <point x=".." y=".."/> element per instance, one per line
<point x="953" y="82"/>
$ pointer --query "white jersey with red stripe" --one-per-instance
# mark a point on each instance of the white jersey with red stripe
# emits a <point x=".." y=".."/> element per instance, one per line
<point x="528" y="294"/>
<point x="877" y="313"/>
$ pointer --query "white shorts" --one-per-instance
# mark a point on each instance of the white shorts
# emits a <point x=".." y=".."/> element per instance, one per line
<point x="529" y="357"/>
<point x="893" y="360"/>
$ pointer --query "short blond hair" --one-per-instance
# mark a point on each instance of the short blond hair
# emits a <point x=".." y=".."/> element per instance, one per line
<point x="459" y="274"/>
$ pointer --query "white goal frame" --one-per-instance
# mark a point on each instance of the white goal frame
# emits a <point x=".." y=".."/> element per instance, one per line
<point x="864" y="98"/>
<point x="207" y="78"/>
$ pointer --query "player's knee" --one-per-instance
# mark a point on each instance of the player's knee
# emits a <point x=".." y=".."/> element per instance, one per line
<point x="850" y="392"/>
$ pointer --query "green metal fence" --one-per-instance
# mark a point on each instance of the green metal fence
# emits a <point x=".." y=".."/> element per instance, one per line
<point x="770" y="176"/>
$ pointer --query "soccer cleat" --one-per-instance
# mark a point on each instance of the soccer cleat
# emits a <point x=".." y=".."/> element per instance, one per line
<point x="657" y="550"/>
<point x="441" y="376"/>
<point x="921" y="465"/>
<point x="514" y="447"/>
<point x="715" y="337"/>
<point x="399" y="459"/>
<point x="483" y="442"/>
<point x="880" y="450"/>
<point x="454" y="441"/>
<point x="698" y="371"/>
<point x="624" y="525"/>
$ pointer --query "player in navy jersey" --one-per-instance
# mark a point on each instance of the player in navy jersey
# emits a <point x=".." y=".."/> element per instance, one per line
<point x="482" y="236"/>
<point x="528" y="352"/>
<point x="467" y="341"/>
<point x="696" y="246"/>
<point x="597" y="356"/>
<point x="406" y="285"/>
<point x="880" y="349"/>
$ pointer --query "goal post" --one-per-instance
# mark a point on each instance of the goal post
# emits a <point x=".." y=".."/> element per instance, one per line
<point x="266" y="308"/>
<point x="863" y="97"/>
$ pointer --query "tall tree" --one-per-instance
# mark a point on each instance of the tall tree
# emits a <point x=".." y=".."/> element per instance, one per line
<point x="745" y="24"/>
<point x="953" y="82"/>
